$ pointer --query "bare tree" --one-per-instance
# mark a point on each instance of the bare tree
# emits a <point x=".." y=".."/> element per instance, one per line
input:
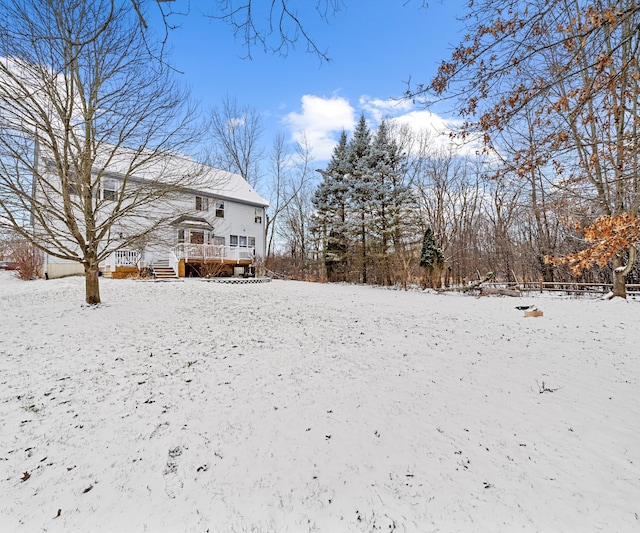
<point x="277" y="25"/>
<point x="279" y="179"/>
<point x="89" y="126"/>
<point x="294" y="226"/>
<point x="451" y="202"/>
<point x="289" y="175"/>
<point x="236" y="132"/>
<point x="575" y="65"/>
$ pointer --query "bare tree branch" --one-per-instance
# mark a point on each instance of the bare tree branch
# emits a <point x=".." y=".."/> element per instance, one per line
<point x="82" y="105"/>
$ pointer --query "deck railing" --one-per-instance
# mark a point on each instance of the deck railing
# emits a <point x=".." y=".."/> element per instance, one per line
<point x="127" y="258"/>
<point x="213" y="252"/>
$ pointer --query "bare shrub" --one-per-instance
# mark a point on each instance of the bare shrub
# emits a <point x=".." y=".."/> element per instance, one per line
<point x="26" y="258"/>
<point x="213" y="269"/>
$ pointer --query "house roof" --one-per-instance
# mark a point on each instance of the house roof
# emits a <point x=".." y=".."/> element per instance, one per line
<point x="192" y="222"/>
<point x="196" y="177"/>
<point x="228" y="185"/>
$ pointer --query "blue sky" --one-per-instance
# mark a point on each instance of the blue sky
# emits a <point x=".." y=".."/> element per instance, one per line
<point x="375" y="47"/>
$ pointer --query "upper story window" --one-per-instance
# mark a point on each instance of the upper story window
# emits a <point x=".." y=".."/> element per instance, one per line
<point x="202" y="203"/>
<point x="218" y="241"/>
<point x="233" y="240"/>
<point x="258" y="215"/>
<point x="109" y="190"/>
<point x="219" y="209"/>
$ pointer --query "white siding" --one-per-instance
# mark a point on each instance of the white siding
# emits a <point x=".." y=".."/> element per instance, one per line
<point x="240" y="204"/>
<point x="239" y="219"/>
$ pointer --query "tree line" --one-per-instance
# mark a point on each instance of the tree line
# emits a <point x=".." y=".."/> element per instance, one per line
<point x="551" y="88"/>
<point x="549" y="92"/>
<point x="364" y="217"/>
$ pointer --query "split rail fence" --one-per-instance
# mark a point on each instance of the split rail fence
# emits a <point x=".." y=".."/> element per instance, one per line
<point x="573" y="288"/>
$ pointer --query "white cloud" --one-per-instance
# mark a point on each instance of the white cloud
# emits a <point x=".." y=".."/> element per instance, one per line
<point x="236" y="122"/>
<point x="425" y="121"/>
<point x="440" y="129"/>
<point x="379" y="109"/>
<point x="405" y="112"/>
<point x="321" y="120"/>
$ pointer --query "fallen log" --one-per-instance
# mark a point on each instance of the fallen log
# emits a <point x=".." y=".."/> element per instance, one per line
<point x="488" y="291"/>
<point x="476" y="284"/>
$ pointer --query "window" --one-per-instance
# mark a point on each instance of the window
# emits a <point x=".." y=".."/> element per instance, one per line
<point x="218" y="241"/>
<point x="72" y="188"/>
<point x="219" y="209"/>
<point x="109" y="190"/>
<point x="196" y="237"/>
<point x="258" y="215"/>
<point x="242" y="241"/>
<point x="180" y="236"/>
<point x="202" y="203"/>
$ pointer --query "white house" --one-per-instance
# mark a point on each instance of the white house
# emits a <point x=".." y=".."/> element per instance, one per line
<point x="213" y="225"/>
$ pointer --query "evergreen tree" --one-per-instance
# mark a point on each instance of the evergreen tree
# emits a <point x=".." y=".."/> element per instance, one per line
<point x="391" y="198"/>
<point x="431" y="258"/>
<point x="329" y="221"/>
<point x="365" y="211"/>
<point x="360" y="194"/>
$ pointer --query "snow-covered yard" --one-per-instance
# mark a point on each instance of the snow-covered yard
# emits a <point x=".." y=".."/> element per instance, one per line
<point x="294" y="407"/>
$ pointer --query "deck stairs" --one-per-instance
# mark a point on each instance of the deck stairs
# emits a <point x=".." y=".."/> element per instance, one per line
<point x="163" y="270"/>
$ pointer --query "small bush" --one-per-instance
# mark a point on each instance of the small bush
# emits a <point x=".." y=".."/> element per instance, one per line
<point x="214" y="269"/>
<point x="26" y="258"/>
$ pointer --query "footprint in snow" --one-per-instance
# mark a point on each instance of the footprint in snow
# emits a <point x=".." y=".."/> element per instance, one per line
<point x="172" y="482"/>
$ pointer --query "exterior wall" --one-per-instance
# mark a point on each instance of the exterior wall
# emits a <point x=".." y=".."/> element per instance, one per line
<point x="239" y="219"/>
<point x="60" y="268"/>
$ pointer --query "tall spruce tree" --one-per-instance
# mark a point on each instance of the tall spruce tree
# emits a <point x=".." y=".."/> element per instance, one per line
<point x="329" y="220"/>
<point x="365" y="211"/>
<point x="359" y="182"/>
<point x="391" y="199"/>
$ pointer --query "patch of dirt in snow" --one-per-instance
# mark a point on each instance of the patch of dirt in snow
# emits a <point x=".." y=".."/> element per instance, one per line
<point x="305" y="407"/>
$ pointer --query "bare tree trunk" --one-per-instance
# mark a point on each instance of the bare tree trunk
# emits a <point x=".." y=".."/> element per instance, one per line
<point x="436" y="277"/>
<point x="92" y="285"/>
<point x="619" y="277"/>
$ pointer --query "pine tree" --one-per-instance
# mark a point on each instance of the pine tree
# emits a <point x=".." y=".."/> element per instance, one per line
<point x="360" y="194"/>
<point x="391" y="199"/>
<point x="431" y="258"/>
<point x="329" y="221"/>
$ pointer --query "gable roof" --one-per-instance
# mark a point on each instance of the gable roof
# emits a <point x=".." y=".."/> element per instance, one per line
<point x="226" y="185"/>
<point x="199" y="178"/>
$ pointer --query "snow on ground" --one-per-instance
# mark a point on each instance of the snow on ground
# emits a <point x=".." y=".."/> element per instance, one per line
<point x="292" y="407"/>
